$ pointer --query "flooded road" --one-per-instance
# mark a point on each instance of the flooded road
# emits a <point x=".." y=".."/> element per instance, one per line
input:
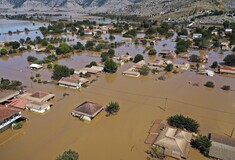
<point x="121" y="137"/>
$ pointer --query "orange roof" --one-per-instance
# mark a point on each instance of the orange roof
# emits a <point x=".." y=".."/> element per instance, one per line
<point x="227" y="68"/>
<point x="18" y="103"/>
<point x="6" y="113"/>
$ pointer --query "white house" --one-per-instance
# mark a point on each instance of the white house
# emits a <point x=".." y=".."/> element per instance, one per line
<point x="197" y="35"/>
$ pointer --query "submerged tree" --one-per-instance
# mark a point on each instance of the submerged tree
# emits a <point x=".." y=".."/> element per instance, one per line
<point x="112" y="108"/>
<point x="68" y="155"/>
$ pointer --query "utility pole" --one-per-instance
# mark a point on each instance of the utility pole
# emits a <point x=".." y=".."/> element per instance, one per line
<point x="232" y="133"/>
<point x="165" y="104"/>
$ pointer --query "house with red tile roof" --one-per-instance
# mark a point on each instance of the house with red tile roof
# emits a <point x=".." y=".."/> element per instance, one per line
<point x="7" y="117"/>
<point x="18" y="103"/>
<point x="226" y="69"/>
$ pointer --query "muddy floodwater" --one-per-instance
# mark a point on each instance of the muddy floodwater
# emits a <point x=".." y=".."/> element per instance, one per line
<point x="120" y="137"/>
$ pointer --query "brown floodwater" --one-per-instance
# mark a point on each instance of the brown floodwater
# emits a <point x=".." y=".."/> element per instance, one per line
<point x="120" y="137"/>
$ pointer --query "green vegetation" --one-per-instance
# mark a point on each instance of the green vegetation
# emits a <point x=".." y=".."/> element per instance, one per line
<point x="79" y="46"/>
<point x="156" y="152"/>
<point x="152" y="51"/>
<point x="107" y="55"/>
<point x="230" y="60"/>
<point x="89" y="45"/>
<point x="14" y="44"/>
<point x="182" y="45"/>
<point x="69" y="155"/>
<point x="202" y="143"/>
<point x="110" y="66"/>
<point x="60" y="71"/>
<point x="226" y="88"/>
<point x="169" y="67"/>
<point x="11" y="85"/>
<point x="112" y="108"/>
<point x="3" y="51"/>
<point x="144" y="70"/>
<point x="132" y="33"/>
<point x="182" y="122"/>
<point x="48" y="59"/>
<point x="93" y="63"/>
<point x="195" y="58"/>
<point x="17" y="125"/>
<point x="214" y="64"/>
<point x="63" y="49"/>
<point x="138" y="58"/>
<point x="210" y="84"/>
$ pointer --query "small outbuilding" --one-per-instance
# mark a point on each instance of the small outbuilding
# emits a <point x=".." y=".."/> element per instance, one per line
<point x="87" y="110"/>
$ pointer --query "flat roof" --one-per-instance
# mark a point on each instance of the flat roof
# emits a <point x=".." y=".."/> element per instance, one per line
<point x="7" y="94"/>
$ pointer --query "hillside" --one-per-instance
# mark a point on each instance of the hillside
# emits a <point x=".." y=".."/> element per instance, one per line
<point x="126" y="7"/>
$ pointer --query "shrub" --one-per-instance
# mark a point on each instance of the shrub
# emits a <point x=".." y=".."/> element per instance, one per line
<point x="226" y="88"/>
<point x="112" y="108"/>
<point x="17" y="125"/>
<point x="68" y="155"/>
<point x="110" y="66"/>
<point x="202" y="143"/>
<point x="152" y="51"/>
<point x="138" y="58"/>
<point x="37" y="75"/>
<point x="214" y="64"/>
<point x="169" y="67"/>
<point x="182" y="122"/>
<point x="195" y="58"/>
<point x="210" y="84"/>
<point x="230" y="60"/>
<point x="144" y="70"/>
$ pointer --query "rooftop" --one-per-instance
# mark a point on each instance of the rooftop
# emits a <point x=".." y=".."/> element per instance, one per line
<point x="18" y="103"/>
<point x="89" y="108"/>
<point x="7" y="112"/>
<point x="7" y="94"/>
<point x="223" y="147"/>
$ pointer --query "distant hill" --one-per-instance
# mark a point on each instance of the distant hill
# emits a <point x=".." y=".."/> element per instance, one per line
<point x="127" y="7"/>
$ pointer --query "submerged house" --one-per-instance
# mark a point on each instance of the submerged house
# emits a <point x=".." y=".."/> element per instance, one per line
<point x="38" y="101"/>
<point x="226" y="70"/>
<point x="35" y="66"/>
<point x="87" y="110"/>
<point x="70" y="82"/>
<point x="222" y="147"/>
<point x="8" y="95"/>
<point x="175" y="142"/>
<point x="39" y="107"/>
<point x="7" y="117"/>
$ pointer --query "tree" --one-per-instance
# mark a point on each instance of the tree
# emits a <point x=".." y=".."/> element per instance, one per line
<point x="210" y="84"/>
<point x="22" y="41"/>
<point x="110" y="66"/>
<point x="15" y="45"/>
<point x="202" y="143"/>
<point x="60" y="71"/>
<point x="63" y="48"/>
<point x="169" y="67"/>
<point x="230" y="60"/>
<point x="79" y="46"/>
<point x="93" y="63"/>
<point x="89" y="45"/>
<point x="195" y="58"/>
<point x="138" y="58"/>
<point x="214" y="64"/>
<point x="144" y="70"/>
<point x="156" y="152"/>
<point x="182" y="122"/>
<point x="226" y="88"/>
<point x="226" y="24"/>
<point x="68" y="155"/>
<point x="112" y="108"/>
<point x="111" y="53"/>
<point x="152" y="51"/>
<point x="32" y="59"/>
<point x="3" y="51"/>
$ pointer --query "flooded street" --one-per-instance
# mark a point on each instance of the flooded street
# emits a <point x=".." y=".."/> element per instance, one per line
<point x="120" y="137"/>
